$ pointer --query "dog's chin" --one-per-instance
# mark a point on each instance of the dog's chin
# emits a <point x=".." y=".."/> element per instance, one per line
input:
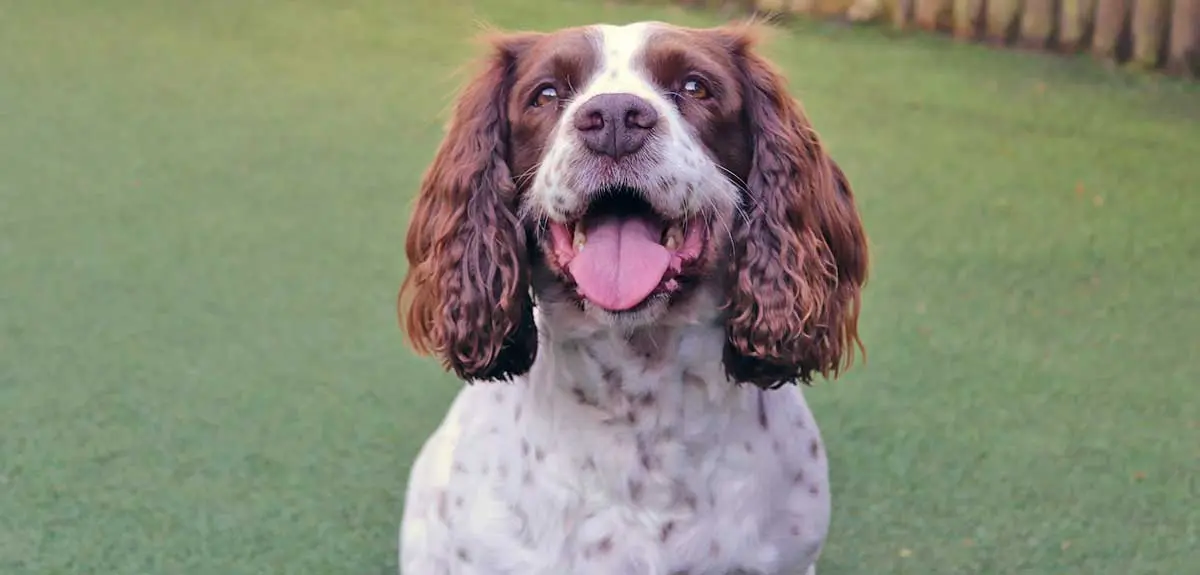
<point x="650" y="311"/>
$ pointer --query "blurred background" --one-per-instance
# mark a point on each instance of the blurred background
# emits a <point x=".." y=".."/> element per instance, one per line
<point x="202" y="213"/>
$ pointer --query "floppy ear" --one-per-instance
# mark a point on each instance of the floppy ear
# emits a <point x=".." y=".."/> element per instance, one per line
<point x="466" y="295"/>
<point x="800" y="253"/>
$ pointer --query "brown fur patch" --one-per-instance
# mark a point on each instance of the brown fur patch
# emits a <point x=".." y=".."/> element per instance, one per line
<point x="665" y="533"/>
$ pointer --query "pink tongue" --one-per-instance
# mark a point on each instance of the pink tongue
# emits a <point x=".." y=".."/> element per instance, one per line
<point x="621" y="263"/>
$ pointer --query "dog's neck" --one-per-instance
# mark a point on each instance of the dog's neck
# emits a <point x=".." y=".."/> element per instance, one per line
<point x="638" y="412"/>
<point x="650" y="379"/>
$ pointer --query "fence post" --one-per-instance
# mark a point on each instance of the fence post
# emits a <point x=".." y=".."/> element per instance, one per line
<point x="1110" y="22"/>
<point x="1183" y="53"/>
<point x="967" y="16"/>
<point x="933" y="14"/>
<point x="1149" y="27"/>
<point x="1001" y="15"/>
<point x="865" y="10"/>
<point x="1037" y="20"/>
<point x="902" y="11"/>
<point x="1074" y="22"/>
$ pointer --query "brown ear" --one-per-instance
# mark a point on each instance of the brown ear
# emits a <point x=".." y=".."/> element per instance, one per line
<point x="466" y="296"/>
<point x="800" y="253"/>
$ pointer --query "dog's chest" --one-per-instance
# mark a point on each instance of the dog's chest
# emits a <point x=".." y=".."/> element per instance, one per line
<point x="729" y="506"/>
<point x="629" y="467"/>
<point x="632" y="456"/>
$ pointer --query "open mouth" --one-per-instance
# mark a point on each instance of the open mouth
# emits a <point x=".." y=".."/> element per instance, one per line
<point x="621" y="253"/>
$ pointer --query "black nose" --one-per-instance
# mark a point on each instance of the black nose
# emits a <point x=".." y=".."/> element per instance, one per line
<point x="615" y="125"/>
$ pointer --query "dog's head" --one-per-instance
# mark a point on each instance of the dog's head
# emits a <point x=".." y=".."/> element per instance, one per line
<point x="626" y="176"/>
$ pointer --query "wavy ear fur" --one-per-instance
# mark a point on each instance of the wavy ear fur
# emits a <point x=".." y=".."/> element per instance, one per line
<point x="466" y="295"/>
<point x="800" y="253"/>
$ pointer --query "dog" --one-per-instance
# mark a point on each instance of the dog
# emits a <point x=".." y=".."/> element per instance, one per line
<point x="634" y="249"/>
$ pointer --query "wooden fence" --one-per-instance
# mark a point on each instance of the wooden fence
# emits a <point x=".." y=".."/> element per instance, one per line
<point x="1150" y="34"/>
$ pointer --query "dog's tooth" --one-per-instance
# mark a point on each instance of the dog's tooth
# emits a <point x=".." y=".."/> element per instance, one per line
<point x="580" y="239"/>
<point x="674" y="237"/>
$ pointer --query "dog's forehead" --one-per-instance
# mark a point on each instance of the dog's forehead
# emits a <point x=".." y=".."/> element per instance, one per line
<point x="608" y="58"/>
<point x="621" y="62"/>
<point x="632" y="58"/>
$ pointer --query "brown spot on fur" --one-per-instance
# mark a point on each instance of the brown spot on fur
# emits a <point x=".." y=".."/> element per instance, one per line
<point x="517" y="413"/>
<point x="665" y="532"/>
<point x="689" y="500"/>
<point x="798" y="477"/>
<point x="525" y="447"/>
<point x="539" y="454"/>
<point x="749" y="447"/>
<point x="814" y="489"/>
<point x="645" y="399"/>
<point x="814" y="449"/>
<point x="681" y="495"/>
<point x="458" y="502"/>
<point x="648" y="459"/>
<point x="645" y="459"/>
<point x="635" y="489"/>
<point x="582" y="396"/>
<point x="527" y="477"/>
<point x="612" y="377"/>
<point x="692" y="379"/>
<point x="762" y="410"/>
<point x="458" y="467"/>
<point x="795" y="530"/>
<point x="649" y="345"/>
<point x="589" y="463"/>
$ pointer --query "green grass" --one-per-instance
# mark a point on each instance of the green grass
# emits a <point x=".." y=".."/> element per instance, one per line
<point x="202" y="208"/>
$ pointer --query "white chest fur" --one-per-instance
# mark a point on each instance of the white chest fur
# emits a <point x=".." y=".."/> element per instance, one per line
<point x="620" y="454"/>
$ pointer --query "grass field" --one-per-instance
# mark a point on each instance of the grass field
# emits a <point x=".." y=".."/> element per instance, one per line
<point x="202" y="208"/>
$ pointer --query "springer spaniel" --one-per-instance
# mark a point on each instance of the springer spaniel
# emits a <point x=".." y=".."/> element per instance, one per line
<point x="636" y="237"/>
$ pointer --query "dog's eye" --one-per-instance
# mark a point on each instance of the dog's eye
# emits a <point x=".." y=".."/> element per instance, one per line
<point x="695" y="88"/>
<point x="545" y="96"/>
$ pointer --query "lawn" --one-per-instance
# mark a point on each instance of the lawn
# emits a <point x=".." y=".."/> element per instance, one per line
<point x="202" y="209"/>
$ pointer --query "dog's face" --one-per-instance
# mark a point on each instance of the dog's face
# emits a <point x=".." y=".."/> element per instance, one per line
<point x="628" y="145"/>
<point x="624" y="177"/>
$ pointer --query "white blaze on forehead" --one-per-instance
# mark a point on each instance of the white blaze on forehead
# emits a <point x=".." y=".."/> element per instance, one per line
<point x="622" y="69"/>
